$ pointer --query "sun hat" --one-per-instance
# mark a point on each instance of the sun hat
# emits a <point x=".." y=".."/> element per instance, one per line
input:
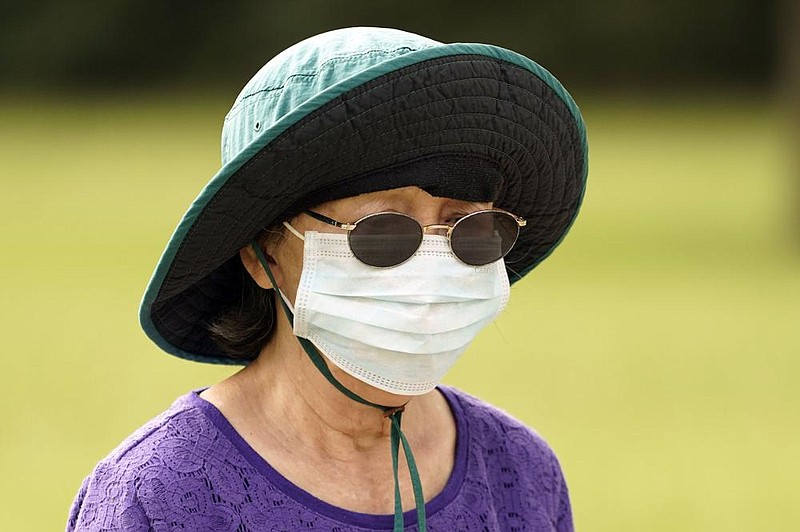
<point x="358" y="110"/>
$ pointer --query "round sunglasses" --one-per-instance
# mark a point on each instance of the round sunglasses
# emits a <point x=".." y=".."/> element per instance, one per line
<point x="385" y="239"/>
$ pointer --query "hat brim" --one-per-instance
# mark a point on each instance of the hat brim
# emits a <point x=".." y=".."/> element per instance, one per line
<point x="457" y="101"/>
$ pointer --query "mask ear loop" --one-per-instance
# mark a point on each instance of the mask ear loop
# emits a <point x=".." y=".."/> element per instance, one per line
<point x="393" y="413"/>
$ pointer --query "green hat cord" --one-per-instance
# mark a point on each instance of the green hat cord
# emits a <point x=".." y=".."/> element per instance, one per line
<point x="394" y="413"/>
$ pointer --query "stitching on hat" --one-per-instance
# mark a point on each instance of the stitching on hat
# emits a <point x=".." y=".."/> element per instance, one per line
<point x="428" y="87"/>
<point x="545" y="150"/>
<point x="522" y="254"/>
<point x="321" y="66"/>
<point x="536" y="117"/>
<point x="304" y="122"/>
<point x="451" y="115"/>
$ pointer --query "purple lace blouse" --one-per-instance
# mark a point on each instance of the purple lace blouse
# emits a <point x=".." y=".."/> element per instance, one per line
<point x="188" y="469"/>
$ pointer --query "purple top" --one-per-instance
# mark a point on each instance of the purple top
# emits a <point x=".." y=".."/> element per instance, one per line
<point x="188" y="469"/>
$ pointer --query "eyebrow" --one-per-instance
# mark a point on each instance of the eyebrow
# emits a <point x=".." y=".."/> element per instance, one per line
<point x="399" y="203"/>
<point x="378" y="205"/>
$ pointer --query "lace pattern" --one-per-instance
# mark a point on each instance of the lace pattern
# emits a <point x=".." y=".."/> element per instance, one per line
<point x="187" y="470"/>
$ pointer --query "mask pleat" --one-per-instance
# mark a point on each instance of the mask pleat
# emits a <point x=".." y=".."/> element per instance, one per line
<point x="429" y="319"/>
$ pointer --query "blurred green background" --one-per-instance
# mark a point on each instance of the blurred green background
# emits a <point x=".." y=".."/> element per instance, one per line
<point x="656" y="350"/>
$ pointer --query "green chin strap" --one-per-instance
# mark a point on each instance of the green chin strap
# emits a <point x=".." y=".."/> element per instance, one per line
<point x="393" y="413"/>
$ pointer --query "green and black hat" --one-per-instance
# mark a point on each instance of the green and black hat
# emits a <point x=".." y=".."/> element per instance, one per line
<point x="359" y="110"/>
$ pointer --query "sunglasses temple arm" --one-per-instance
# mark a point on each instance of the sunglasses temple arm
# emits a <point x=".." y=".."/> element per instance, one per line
<point x="330" y="221"/>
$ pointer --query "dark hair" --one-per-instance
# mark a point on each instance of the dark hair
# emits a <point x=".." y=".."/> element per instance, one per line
<point x="241" y="330"/>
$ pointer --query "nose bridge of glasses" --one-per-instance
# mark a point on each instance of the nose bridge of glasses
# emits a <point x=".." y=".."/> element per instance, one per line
<point x="437" y="229"/>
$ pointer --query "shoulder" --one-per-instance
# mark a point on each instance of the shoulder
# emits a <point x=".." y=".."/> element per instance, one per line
<point x="174" y="438"/>
<point x="153" y="465"/>
<point x="511" y="464"/>
<point x="496" y="431"/>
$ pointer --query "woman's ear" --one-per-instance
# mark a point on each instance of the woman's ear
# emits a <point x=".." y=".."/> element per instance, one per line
<point x="256" y="270"/>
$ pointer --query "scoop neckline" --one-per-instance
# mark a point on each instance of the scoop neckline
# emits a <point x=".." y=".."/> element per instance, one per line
<point x="344" y="516"/>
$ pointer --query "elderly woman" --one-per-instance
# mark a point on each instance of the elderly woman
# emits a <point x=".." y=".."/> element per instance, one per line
<point x="379" y="193"/>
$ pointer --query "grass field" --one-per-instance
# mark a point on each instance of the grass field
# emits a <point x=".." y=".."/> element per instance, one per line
<point x="657" y="349"/>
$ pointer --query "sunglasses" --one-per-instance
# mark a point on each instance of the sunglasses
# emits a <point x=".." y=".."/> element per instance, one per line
<point x="385" y="239"/>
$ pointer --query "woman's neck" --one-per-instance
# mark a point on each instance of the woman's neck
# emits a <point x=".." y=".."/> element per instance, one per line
<point x="308" y="430"/>
<point x="283" y="391"/>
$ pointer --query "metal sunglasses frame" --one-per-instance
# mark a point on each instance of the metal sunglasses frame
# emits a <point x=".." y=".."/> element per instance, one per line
<point x="350" y="226"/>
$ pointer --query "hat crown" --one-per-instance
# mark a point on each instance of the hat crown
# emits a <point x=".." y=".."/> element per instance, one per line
<point x="305" y="70"/>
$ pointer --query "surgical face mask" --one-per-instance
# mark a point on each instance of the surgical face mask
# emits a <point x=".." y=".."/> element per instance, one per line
<point x="399" y="329"/>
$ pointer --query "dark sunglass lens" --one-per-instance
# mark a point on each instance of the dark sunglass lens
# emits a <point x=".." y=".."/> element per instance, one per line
<point x="484" y="237"/>
<point x="385" y="239"/>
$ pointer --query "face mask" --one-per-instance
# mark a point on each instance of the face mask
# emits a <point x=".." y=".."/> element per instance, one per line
<point x="399" y="329"/>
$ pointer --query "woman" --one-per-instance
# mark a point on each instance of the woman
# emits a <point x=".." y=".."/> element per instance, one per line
<point x="379" y="193"/>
